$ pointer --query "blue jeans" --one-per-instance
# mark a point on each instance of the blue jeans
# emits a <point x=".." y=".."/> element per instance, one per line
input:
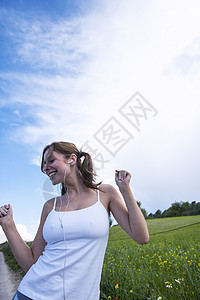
<point x="19" y="296"/>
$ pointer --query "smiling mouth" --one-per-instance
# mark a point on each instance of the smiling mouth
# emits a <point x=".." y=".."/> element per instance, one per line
<point x="51" y="175"/>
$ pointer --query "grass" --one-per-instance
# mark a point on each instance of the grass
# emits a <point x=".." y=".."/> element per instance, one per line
<point x="184" y="236"/>
<point x="167" y="267"/>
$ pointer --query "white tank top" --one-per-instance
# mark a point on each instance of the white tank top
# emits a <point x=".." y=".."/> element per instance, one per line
<point x="71" y="264"/>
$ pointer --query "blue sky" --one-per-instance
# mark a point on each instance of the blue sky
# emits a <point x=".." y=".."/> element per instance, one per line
<point x="67" y="67"/>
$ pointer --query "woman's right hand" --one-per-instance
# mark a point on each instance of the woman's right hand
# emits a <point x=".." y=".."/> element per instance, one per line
<point x="5" y="214"/>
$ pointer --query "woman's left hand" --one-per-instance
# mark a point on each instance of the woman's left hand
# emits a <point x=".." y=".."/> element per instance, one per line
<point x="122" y="178"/>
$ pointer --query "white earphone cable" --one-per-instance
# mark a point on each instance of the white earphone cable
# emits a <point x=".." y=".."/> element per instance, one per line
<point x="64" y="232"/>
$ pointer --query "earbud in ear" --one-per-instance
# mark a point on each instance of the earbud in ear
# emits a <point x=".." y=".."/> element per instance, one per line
<point x="69" y="162"/>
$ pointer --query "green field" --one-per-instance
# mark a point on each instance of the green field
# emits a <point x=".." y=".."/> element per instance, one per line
<point x="168" y="267"/>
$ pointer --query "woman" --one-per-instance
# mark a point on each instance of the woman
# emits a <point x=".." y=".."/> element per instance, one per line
<point x="66" y="257"/>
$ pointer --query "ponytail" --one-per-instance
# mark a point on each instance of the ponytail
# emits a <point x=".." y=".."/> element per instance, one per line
<point x="86" y="170"/>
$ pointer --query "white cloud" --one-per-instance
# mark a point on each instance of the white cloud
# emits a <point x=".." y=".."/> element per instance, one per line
<point x="26" y="236"/>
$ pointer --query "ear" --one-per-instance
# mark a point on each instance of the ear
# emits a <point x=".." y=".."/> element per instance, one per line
<point x="72" y="159"/>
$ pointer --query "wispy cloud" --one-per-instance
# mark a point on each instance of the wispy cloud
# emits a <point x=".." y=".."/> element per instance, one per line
<point x="41" y="43"/>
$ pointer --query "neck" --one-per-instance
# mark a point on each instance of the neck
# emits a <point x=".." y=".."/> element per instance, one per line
<point x="75" y="186"/>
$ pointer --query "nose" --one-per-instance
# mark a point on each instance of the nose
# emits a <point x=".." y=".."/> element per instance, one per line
<point x="45" y="167"/>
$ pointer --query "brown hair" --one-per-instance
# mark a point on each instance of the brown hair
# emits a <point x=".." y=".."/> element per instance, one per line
<point x="85" y="167"/>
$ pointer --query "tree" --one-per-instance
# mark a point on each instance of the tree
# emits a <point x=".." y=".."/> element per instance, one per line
<point x="174" y="210"/>
<point x="143" y="210"/>
<point x="158" y="214"/>
<point x="150" y="215"/>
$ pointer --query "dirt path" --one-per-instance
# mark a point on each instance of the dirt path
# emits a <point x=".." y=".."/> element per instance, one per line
<point x="9" y="280"/>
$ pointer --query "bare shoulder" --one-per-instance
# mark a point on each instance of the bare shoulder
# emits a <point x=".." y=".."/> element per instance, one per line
<point x="108" y="193"/>
<point x="49" y="203"/>
<point x="110" y="197"/>
<point x="105" y="195"/>
<point x="48" y="206"/>
<point x="109" y="190"/>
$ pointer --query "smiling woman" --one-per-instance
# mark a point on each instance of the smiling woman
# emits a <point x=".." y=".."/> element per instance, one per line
<point x="71" y="240"/>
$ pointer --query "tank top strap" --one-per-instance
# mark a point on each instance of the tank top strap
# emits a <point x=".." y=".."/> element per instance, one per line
<point x="54" y="204"/>
<point x="98" y="198"/>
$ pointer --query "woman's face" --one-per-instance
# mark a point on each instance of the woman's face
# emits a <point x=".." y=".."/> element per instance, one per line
<point x="54" y="166"/>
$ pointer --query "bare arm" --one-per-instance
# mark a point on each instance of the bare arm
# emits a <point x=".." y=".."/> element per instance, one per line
<point x="24" y="255"/>
<point x="128" y="216"/>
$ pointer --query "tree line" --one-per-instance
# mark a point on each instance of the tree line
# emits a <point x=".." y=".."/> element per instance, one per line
<point x="177" y="209"/>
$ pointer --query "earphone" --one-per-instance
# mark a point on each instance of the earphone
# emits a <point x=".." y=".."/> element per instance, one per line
<point x="69" y="162"/>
